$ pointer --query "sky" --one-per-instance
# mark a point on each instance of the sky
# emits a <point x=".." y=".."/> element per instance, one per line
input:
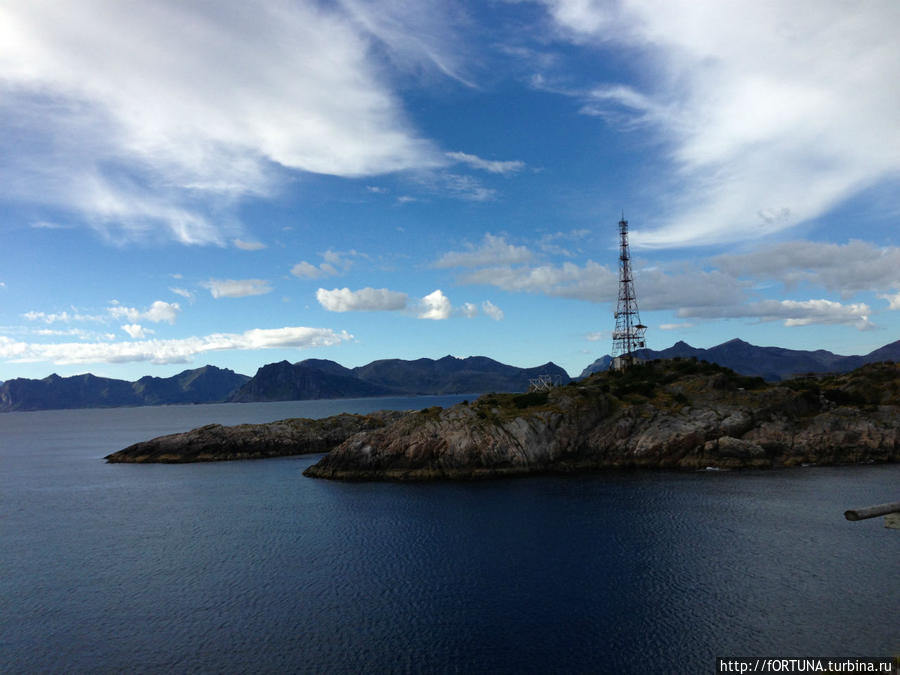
<point x="232" y="183"/>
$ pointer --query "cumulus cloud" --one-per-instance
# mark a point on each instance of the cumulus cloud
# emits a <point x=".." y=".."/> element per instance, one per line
<point x="491" y="166"/>
<point x="491" y="310"/>
<point x="435" y="306"/>
<point x="774" y="112"/>
<point x="169" y="351"/>
<point x="131" y="120"/>
<point x="237" y="288"/>
<point x="493" y="250"/>
<point x="469" y="310"/>
<point x="157" y="312"/>
<point x="363" y="300"/>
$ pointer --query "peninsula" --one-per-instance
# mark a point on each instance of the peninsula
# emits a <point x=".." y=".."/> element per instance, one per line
<point x="672" y="414"/>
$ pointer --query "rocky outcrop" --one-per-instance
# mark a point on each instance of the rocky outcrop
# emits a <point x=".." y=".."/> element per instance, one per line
<point x="679" y="414"/>
<point x="215" y="442"/>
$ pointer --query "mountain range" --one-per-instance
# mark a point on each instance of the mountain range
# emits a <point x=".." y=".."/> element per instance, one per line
<point x="200" y="385"/>
<point x="319" y="378"/>
<point x="770" y="363"/>
<point x="315" y="378"/>
<point x="283" y="381"/>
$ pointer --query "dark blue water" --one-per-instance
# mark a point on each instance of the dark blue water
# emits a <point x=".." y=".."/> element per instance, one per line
<point x="250" y="567"/>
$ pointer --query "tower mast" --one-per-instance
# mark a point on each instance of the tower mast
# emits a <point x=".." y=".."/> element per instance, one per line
<point x="629" y="333"/>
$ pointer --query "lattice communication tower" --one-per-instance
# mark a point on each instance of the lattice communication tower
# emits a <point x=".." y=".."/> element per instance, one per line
<point x="629" y="333"/>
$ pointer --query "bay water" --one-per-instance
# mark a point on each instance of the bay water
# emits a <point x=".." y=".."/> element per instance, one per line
<point x="250" y="567"/>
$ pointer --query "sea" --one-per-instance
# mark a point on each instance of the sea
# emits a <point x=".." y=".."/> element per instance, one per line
<point x="249" y="567"/>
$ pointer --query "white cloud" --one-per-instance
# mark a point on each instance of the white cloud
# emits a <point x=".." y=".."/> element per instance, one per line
<point x="136" y="331"/>
<point x="493" y="250"/>
<point x="334" y="263"/>
<point x="596" y="336"/>
<point x="129" y="117"/>
<point x="893" y="300"/>
<point x="157" y="312"/>
<point x="435" y="306"/>
<point x="792" y="312"/>
<point x="170" y="351"/>
<point x="363" y="300"/>
<point x="675" y="326"/>
<point x="592" y="282"/>
<point x="183" y="292"/>
<point x="249" y="245"/>
<point x="775" y="112"/>
<point x="491" y="310"/>
<point x="847" y="268"/>
<point x="305" y="270"/>
<point x="492" y="166"/>
<point x="469" y="310"/>
<point x="237" y="288"/>
<point x="61" y="317"/>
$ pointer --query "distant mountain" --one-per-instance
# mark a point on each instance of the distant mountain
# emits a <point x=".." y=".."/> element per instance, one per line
<point x="201" y="385"/>
<point x="770" y="363"/>
<point x="312" y="379"/>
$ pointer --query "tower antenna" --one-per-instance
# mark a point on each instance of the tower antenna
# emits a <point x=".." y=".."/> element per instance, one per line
<point x="629" y="333"/>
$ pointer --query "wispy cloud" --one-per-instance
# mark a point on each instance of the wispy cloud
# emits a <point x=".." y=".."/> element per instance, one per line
<point x="333" y="263"/>
<point x="130" y="121"/>
<point x="136" y="331"/>
<point x="846" y="268"/>
<point x="157" y="312"/>
<point x="491" y="310"/>
<point x="792" y="312"/>
<point x="772" y="119"/>
<point x="492" y="166"/>
<point x="493" y="250"/>
<point x="248" y="245"/>
<point x="237" y="288"/>
<point x="169" y="351"/>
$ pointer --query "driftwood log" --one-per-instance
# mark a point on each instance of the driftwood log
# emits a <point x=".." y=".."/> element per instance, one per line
<point x="872" y="511"/>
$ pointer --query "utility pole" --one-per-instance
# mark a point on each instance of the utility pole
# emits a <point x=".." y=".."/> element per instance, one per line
<point x="629" y="333"/>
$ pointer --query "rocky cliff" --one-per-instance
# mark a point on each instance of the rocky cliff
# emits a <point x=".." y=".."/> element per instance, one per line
<point x="215" y="442"/>
<point x="679" y="414"/>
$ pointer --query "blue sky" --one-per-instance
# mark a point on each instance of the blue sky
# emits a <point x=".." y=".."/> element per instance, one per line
<point x="240" y="183"/>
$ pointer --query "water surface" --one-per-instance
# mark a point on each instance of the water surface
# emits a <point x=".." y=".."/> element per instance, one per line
<point x="249" y="566"/>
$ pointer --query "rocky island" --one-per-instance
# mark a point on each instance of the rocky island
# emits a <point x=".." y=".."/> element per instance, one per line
<point x="670" y="414"/>
<point x="215" y="442"/>
<point x="675" y="414"/>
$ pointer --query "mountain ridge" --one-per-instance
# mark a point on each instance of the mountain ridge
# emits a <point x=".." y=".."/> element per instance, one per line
<point x="771" y="363"/>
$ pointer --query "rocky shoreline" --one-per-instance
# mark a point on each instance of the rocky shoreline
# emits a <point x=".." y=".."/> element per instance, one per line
<point x="676" y="414"/>
<point x="666" y="415"/>
<point x="215" y="442"/>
